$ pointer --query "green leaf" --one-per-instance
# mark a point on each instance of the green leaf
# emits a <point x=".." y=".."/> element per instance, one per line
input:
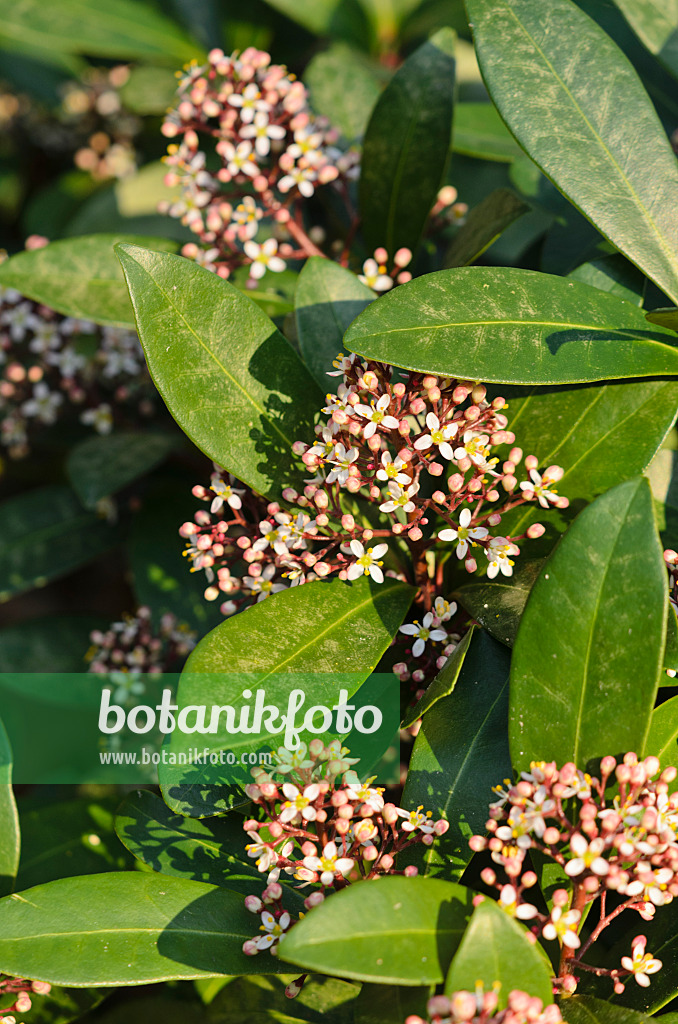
<point x="499" y="604"/>
<point x="122" y="30"/>
<point x="46" y="533"/>
<point x="443" y="684"/>
<point x="71" y="837"/>
<point x="55" y="643"/>
<point x="338" y="18"/>
<point x="207" y="851"/>
<point x="655" y="22"/>
<point x="63" y="1005"/>
<point x="9" y="819"/>
<point x="613" y="274"/>
<point x="79" y="277"/>
<point x="671" y="650"/>
<point x="662" y="740"/>
<point x="126" y="928"/>
<point x="512" y="326"/>
<point x="460" y="752"/>
<point x="344" y="87"/>
<point x="495" y="948"/>
<point x="586" y="431"/>
<point x="664" y="317"/>
<point x="480" y="132"/>
<point x="328" y="299"/>
<point x="484" y="224"/>
<point x="372" y="1008"/>
<point x="262" y="1000"/>
<point x="562" y="110"/>
<point x="104" y="465"/>
<point x="590" y="646"/>
<point x="149" y="90"/>
<point x="398" y="931"/>
<point x="313" y="631"/>
<point x="227" y="375"/>
<point x="406" y="146"/>
<point x="587" y="1010"/>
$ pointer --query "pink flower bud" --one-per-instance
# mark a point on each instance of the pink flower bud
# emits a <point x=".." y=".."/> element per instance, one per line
<point x="492" y="495"/>
<point x="509" y="483"/>
<point x="299" y="447"/>
<point x="399" y="389"/>
<point x="353" y="484"/>
<point x="275" y="828"/>
<point x="472" y="414"/>
<point x="321" y="499"/>
<point x="253" y="904"/>
<point x="415" y="534"/>
<point x="435" y="469"/>
<point x="438" y="497"/>
<point x="554" y="473"/>
<point x="188" y="530"/>
<point x="475" y="485"/>
<point x="370" y="853"/>
<point x="250" y="948"/>
<point x="536" y="530"/>
<point x="477" y="843"/>
<point x="380" y="254"/>
<point x="322" y="519"/>
<point x="494" y="519"/>
<point x="411" y="871"/>
<point x="314" y="900"/>
<point x="389" y="814"/>
<point x="531" y="462"/>
<point x="348" y="522"/>
<point x="478" y="394"/>
<point x="470" y="565"/>
<point x="515" y="455"/>
<point x="402" y="257"/>
<point x="289" y="494"/>
<point x="464" y="464"/>
<point x="243" y="542"/>
<point x="455" y="483"/>
<point x="404" y="428"/>
<point x="417" y="405"/>
<point x="671" y="556"/>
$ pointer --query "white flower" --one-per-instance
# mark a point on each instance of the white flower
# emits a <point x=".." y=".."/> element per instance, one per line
<point x="443" y="609"/>
<point x="474" y="447"/>
<point x="539" y="489"/>
<point x="224" y="493"/>
<point x="263" y="257"/>
<point x="498" y="551"/>
<point x="287" y="760"/>
<point x="377" y="416"/>
<point x="302" y="177"/>
<point x="367" y="562"/>
<point x="642" y="963"/>
<point x="265" y="854"/>
<point x="275" y="536"/>
<point x="508" y="901"/>
<point x="329" y="864"/>
<point x="238" y="159"/>
<point x="273" y="930"/>
<point x="43" y="405"/>
<point x="391" y="470"/>
<point x="325" y="449"/>
<point x="439" y="436"/>
<point x="586" y="856"/>
<point x="375" y="276"/>
<point x="299" y="804"/>
<point x="463" y="535"/>
<point x="399" y="498"/>
<point x="338" y="401"/>
<point x="249" y="101"/>
<point x="100" y="418"/>
<point x="20" y="319"/>
<point x="262" y="585"/>
<point x="364" y="794"/>
<point x="563" y="925"/>
<point x="306" y="144"/>
<point x="247" y="216"/>
<point x="416" y="820"/>
<point x="46" y="336"/>
<point x="342" y="461"/>
<point x="423" y="633"/>
<point x="262" y="131"/>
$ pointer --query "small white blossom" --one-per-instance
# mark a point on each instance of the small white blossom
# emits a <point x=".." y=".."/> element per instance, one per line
<point x="439" y="436"/>
<point x="423" y="632"/>
<point x="498" y="551"/>
<point x="367" y="562"/>
<point x="377" y="416"/>
<point x="262" y="131"/>
<point x="375" y="276"/>
<point x="329" y="864"/>
<point x="392" y="470"/>
<point x="43" y="405"/>
<point x="342" y="461"/>
<point x="263" y="257"/>
<point x="464" y="535"/>
<point x="399" y="498"/>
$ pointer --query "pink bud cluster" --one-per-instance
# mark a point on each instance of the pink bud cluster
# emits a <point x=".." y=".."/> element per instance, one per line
<point x="20" y="989"/>
<point x="51" y="365"/>
<point x="326" y="829"/>
<point x="480" y="1007"/>
<point x="616" y="833"/>
<point x="136" y="646"/>
<point x="271" y="152"/>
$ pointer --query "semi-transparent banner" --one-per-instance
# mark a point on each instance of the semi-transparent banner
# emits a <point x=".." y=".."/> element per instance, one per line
<point x="213" y="729"/>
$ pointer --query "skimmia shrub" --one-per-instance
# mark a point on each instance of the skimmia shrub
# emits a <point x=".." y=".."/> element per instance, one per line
<point x="423" y="467"/>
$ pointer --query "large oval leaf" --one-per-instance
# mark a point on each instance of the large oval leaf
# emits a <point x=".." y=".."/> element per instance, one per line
<point x="344" y="87"/>
<point x="398" y="931"/>
<point x="227" y="375"/>
<point x="587" y="1010"/>
<point x="479" y="131"/>
<point x="406" y="146"/>
<point x="655" y="22"/>
<point x="511" y="326"/>
<point x="662" y="741"/>
<point x="562" y="106"/>
<point x="589" y="650"/>
<point x="495" y="948"/>
<point x="79" y="277"/>
<point x="126" y="928"/>
<point x="461" y="751"/>
<point x="9" y="819"/>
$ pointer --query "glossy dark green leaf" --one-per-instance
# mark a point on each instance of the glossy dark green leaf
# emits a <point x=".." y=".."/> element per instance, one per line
<point x="621" y="173"/>
<point x="479" y="131"/>
<point x="79" y="277"/>
<point x="664" y="317"/>
<point x="510" y="325"/>
<point x="229" y="378"/>
<point x="460" y="752"/>
<point x="398" y="931"/>
<point x="588" y="1010"/>
<point x="327" y="300"/>
<point x="10" y="844"/>
<point x="443" y="684"/>
<point x="589" y="650"/>
<point x="70" y="837"/>
<point x="126" y="928"/>
<point x="613" y="274"/>
<point x="47" y="533"/>
<point x="104" y="465"/>
<point x="122" y="30"/>
<point x="55" y="643"/>
<point x="207" y="851"/>
<point x="655" y="22"/>
<point x="262" y="1000"/>
<point x="344" y="87"/>
<point x="406" y="146"/>
<point x="484" y="224"/>
<point x="586" y="430"/>
<point x="495" y="948"/>
<point x="498" y="604"/>
<point x="662" y="740"/>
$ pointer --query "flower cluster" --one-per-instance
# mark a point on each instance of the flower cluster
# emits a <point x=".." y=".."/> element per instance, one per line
<point x="480" y="1007"/>
<point x="134" y="646"/>
<point x="325" y="828"/>
<point x="19" y="989"/>
<point x="614" y="834"/>
<point x="379" y="277"/>
<point x="49" y="363"/>
<point x="271" y="152"/>
<point x="94" y="111"/>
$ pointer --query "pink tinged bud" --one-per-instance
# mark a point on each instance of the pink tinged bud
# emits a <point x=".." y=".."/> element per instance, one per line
<point x="499" y="437"/>
<point x="551" y="836"/>
<point x="253" y="904"/>
<point x="299" y="447"/>
<point x="250" y="948"/>
<point x="509" y="467"/>
<point x="438" y="497"/>
<point x="531" y="462"/>
<point x="309" y="849"/>
<point x="439" y="1006"/>
<point x="322" y="568"/>
<point x="211" y="594"/>
<point x="455" y="483"/>
<point x="188" y="530"/>
<point x="562" y="502"/>
<point x="321" y="499"/>
<point x="342" y="826"/>
<point x="488" y="876"/>
<point x="433" y="394"/>
<point x="380" y="254"/>
<point x="314" y="900"/>
<point x="494" y="519"/>
<point x="322" y="519"/>
<point x="345" y="811"/>
<point x="273" y="891"/>
<point x="435" y="469"/>
<point x="509" y="482"/>
<point x="529" y="879"/>
<point x="415" y="534"/>
<point x="347" y="521"/>
<point x="310" y="460"/>
<point x="370" y="853"/>
<point x="402" y="257"/>
<point x="478" y="394"/>
<point x="472" y="413"/>
<point x="460" y="394"/>
<point x="464" y="464"/>
<point x="536" y="530"/>
<point x="399" y="389"/>
<point x="417" y="405"/>
<point x="353" y="484"/>
<point x="374" y="443"/>
<point x="389" y="814"/>
<point x="554" y="473"/>
<point x="470" y="565"/>
<point x="275" y="828"/>
<point x="411" y="871"/>
<point x="475" y="485"/>
<point x="427" y="840"/>
<point x="492" y="495"/>
<point x="243" y="542"/>
<point x="671" y="556"/>
<point x="591" y="884"/>
<point x="404" y="428"/>
<point x="289" y="494"/>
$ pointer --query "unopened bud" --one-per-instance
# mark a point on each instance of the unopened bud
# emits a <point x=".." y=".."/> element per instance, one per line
<point x="531" y="462"/>
<point x="536" y="530"/>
